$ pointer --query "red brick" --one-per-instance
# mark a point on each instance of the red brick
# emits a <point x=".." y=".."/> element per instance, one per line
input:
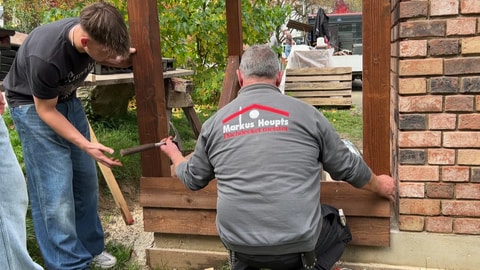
<point x="420" y="207"/>
<point x="462" y="66"/>
<point x="469" y="6"/>
<point x="418" y="173"/>
<point x="444" y="121"/>
<point x="438" y="47"/>
<point x="411" y="190"/>
<point x="439" y="224"/>
<point x="459" y="103"/>
<point x="469" y="121"/>
<point x="455" y="174"/>
<point x="412" y="9"/>
<point x="419" y="139"/>
<point x="441" y="156"/>
<point x="466" y="26"/>
<point x="421" y="67"/>
<point x="468" y="157"/>
<point x="470" y="85"/>
<point x="461" y="208"/>
<point x="467" y="191"/>
<point x="475" y="175"/>
<point x="466" y="226"/>
<point x="420" y="104"/>
<point x="422" y="28"/>
<point x="440" y="190"/>
<point x="413" y="48"/>
<point x="461" y="139"/>
<point x="477" y="101"/>
<point x="412" y="85"/>
<point x="443" y="7"/>
<point x="411" y="223"/>
<point x="470" y="45"/>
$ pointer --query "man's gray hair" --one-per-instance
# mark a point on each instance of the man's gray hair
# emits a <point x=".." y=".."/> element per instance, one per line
<point x="259" y="61"/>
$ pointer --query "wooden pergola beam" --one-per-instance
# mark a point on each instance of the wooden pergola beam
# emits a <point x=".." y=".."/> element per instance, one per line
<point x="376" y="85"/>
<point x="149" y="84"/>
<point x="235" y="49"/>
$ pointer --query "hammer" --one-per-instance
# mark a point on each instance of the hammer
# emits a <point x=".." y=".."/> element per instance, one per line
<point x="143" y="147"/>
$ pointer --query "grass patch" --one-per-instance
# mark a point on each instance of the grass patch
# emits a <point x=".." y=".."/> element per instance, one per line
<point x="348" y="123"/>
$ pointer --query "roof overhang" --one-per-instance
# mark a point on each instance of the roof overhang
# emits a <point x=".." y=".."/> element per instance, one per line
<point x="299" y="26"/>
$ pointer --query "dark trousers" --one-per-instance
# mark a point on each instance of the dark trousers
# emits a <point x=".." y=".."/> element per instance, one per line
<point x="329" y="248"/>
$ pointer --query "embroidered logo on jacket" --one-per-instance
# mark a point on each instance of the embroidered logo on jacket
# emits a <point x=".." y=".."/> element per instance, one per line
<point x="255" y="119"/>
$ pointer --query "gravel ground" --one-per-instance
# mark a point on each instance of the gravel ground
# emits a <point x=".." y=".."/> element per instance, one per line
<point x="117" y="231"/>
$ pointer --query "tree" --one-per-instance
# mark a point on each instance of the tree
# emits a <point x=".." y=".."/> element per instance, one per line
<point x="194" y="33"/>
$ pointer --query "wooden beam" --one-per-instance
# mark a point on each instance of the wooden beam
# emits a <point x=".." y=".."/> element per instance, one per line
<point x="376" y="85"/>
<point x="149" y="84"/>
<point x="366" y="231"/>
<point x="170" y="208"/>
<point x="183" y="259"/>
<point x="235" y="50"/>
<point x="234" y="27"/>
<point x="230" y="82"/>
<point x="113" y="186"/>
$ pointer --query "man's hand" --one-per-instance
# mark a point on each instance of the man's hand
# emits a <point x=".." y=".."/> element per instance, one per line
<point x="119" y="61"/>
<point x="172" y="151"/>
<point x="383" y="185"/>
<point x="97" y="151"/>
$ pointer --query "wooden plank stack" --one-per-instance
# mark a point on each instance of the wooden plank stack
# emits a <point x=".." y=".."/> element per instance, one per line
<point x="326" y="86"/>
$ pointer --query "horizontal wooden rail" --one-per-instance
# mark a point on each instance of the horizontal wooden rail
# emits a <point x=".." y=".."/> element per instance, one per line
<point x="169" y="207"/>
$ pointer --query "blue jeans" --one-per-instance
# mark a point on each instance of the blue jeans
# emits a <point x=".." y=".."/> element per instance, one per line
<point x="13" y="208"/>
<point x="63" y="188"/>
<point x="288" y="49"/>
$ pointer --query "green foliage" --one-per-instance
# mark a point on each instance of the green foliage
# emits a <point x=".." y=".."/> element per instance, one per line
<point x="194" y="32"/>
<point x="57" y="13"/>
<point x="22" y="15"/>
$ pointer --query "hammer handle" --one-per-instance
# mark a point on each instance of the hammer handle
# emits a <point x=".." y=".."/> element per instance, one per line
<point x="139" y="148"/>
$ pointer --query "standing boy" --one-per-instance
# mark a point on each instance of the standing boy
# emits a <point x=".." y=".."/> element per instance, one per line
<point x="59" y="157"/>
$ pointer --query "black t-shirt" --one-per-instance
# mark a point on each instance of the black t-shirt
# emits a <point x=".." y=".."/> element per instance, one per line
<point x="47" y="65"/>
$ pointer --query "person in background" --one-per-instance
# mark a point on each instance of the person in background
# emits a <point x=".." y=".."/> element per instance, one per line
<point x="287" y="42"/>
<point x="13" y="206"/>
<point x="60" y="160"/>
<point x="272" y="41"/>
<point x="266" y="151"/>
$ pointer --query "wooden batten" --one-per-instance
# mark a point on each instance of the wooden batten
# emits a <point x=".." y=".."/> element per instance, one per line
<point x="169" y="207"/>
<point x="327" y="86"/>
<point x="182" y="259"/>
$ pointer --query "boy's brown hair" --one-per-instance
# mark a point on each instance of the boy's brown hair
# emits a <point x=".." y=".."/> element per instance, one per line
<point x="104" y="23"/>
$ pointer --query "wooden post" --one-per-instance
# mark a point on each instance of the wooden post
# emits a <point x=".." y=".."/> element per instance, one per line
<point x="376" y="85"/>
<point x="235" y="50"/>
<point x="149" y="84"/>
